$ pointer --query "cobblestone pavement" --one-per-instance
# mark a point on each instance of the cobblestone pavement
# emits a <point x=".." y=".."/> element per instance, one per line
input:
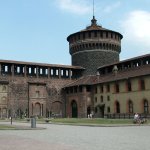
<point x="64" y="137"/>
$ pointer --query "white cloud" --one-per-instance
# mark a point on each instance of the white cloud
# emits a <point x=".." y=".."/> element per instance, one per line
<point x="136" y="28"/>
<point x="79" y="7"/>
<point x="110" y="8"/>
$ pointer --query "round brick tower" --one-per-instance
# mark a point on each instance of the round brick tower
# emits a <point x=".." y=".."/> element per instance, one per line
<point x="94" y="47"/>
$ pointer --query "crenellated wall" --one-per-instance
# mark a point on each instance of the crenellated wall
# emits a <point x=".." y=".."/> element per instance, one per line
<point x="34" y="90"/>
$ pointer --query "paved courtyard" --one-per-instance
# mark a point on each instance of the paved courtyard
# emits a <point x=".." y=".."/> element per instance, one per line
<point x="64" y="137"/>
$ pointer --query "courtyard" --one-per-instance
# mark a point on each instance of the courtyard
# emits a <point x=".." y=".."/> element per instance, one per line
<point x="68" y="137"/>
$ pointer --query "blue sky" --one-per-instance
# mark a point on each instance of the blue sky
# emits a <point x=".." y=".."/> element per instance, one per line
<point x="36" y="30"/>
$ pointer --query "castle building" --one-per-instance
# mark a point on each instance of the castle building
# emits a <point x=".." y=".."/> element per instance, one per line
<point x="96" y="83"/>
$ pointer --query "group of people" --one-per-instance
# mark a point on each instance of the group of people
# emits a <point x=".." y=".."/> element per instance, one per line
<point x="90" y="115"/>
<point x="138" y="119"/>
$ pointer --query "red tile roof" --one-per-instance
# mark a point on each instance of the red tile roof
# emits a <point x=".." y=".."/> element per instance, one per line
<point x="121" y="75"/>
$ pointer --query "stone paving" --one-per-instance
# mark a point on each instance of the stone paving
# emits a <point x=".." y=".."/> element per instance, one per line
<point x="64" y="137"/>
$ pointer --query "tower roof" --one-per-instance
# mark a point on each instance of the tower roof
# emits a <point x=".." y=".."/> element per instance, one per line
<point x="94" y="27"/>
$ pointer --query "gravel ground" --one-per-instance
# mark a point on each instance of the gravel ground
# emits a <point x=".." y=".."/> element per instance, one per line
<point x="64" y="137"/>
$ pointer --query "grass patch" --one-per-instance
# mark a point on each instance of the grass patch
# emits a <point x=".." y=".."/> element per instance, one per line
<point x="92" y="121"/>
<point x="6" y="127"/>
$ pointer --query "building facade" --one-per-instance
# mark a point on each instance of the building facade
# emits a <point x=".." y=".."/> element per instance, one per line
<point x="96" y="83"/>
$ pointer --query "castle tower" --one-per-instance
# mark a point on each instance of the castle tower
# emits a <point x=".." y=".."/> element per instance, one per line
<point x="94" y="47"/>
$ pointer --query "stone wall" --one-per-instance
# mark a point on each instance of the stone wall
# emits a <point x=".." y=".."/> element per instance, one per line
<point x="91" y="60"/>
<point x="42" y="94"/>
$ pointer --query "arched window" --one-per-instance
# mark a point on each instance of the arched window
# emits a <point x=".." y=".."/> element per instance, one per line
<point x="146" y="106"/>
<point x="130" y="106"/>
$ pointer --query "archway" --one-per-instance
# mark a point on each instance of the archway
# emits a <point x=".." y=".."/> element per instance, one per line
<point x="74" y="109"/>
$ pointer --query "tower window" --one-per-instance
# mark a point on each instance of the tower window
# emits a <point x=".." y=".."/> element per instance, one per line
<point x="95" y="34"/>
<point x="83" y="35"/>
<point x="106" y="34"/>
<point x="111" y="35"/>
<point x="89" y="34"/>
<point x="101" y="34"/>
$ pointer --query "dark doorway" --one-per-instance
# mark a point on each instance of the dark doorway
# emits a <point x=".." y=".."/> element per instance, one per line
<point x="101" y="108"/>
<point x="117" y="107"/>
<point x="88" y="110"/>
<point x="74" y="109"/>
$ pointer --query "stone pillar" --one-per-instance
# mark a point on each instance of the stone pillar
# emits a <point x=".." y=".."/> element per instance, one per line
<point x="131" y="64"/>
<point x="59" y="73"/>
<point x="25" y="71"/>
<point x="69" y="73"/>
<point x="141" y="61"/>
<point x="48" y="70"/>
<point x="37" y="72"/>
<point x="12" y="70"/>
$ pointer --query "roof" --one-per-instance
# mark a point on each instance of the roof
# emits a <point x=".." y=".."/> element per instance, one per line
<point x="39" y="64"/>
<point x="94" y="27"/>
<point x="127" y="60"/>
<point x="121" y="75"/>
